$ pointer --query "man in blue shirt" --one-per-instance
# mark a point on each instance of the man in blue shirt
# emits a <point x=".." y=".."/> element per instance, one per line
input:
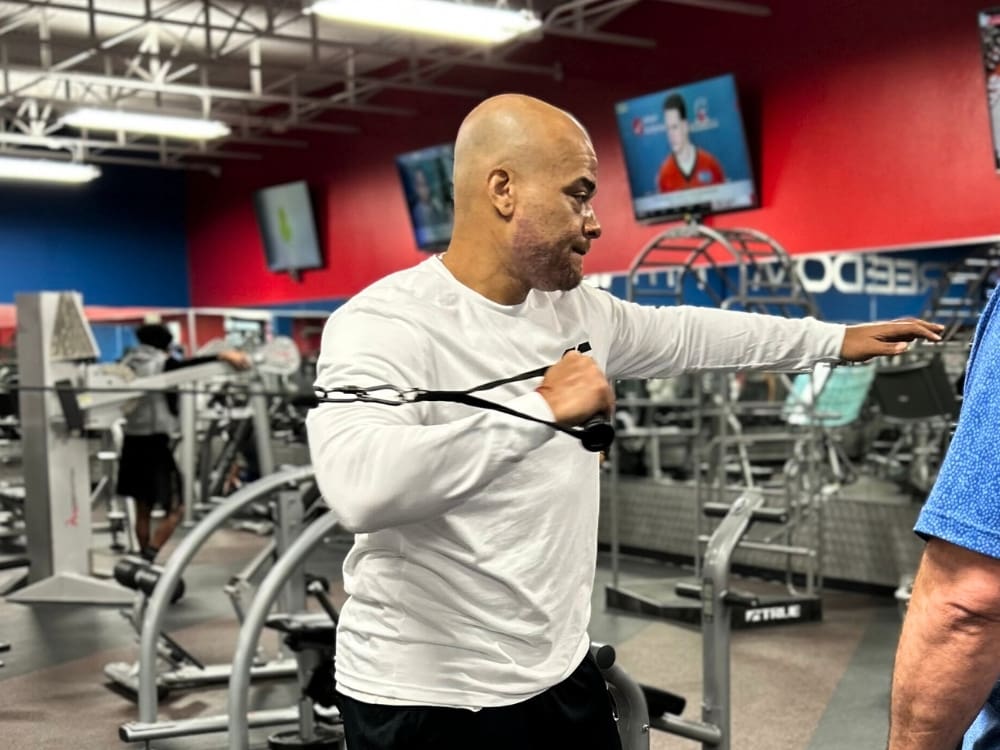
<point x="948" y="659"/>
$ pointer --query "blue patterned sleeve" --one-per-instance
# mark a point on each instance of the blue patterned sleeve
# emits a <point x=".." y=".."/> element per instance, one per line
<point x="964" y="505"/>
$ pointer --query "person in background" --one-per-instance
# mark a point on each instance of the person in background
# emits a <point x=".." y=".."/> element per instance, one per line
<point x="147" y="472"/>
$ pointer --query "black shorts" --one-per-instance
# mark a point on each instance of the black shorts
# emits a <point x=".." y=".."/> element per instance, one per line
<point x="147" y="472"/>
<point x="576" y="714"/>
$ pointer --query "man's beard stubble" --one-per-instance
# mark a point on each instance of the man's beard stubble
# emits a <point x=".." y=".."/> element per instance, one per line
<point x="547" y="266"/>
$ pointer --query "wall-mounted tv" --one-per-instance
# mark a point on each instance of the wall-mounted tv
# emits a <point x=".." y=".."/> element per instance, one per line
<point x="685" y="151"/>
<point x="426" y="176"/>
<point x="287" y="228"/>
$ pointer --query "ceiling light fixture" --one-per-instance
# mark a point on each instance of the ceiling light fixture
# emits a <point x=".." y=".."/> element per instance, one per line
<point x="44" y="170"/>
<point x="191" y="128"/>
<point x="466" y="22"/>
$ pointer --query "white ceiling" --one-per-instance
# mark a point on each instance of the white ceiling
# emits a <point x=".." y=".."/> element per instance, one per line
<point x="263" y="66"/>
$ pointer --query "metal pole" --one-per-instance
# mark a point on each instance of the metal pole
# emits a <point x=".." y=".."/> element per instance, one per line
<point x="615" y="531"/>
<point x="716" y="612"/>
<point x="188" y="440"/>
<point x="156" y="610"/>
<point x="262" y="428"/>
<point x="246" y="644"/>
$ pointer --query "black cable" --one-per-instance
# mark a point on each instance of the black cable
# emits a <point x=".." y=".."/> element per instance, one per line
<point x="596" y="434"/>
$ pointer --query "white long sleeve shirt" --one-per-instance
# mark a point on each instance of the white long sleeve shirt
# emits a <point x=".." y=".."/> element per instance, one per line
<point x="476" y="532"/>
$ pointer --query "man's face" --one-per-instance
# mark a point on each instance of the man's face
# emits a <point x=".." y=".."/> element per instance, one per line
<point x="555" y="219"/>
<point x="677" y="130"/>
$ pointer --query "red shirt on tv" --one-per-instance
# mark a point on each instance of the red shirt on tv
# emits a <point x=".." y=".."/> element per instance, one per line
<point x="706" y="171"/>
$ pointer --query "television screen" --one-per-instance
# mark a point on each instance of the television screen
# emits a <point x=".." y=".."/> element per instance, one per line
<point x="285" y="219"/>
<point x="686" y="152"/>
<point x="426" y="176"/>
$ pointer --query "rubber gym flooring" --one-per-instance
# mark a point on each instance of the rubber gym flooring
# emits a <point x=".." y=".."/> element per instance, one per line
<point x="814" y="686"/>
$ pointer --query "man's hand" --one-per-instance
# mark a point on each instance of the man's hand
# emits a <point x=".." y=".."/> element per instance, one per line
<point x="236" y="358"/>
<point x="862" y="342"/>
<point x="576" y="389"/>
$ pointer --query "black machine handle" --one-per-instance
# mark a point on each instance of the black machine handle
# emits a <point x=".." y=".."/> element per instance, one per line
<point x="604" y="654"/>
<point x="142" y="576"/>
<point x="597" y="434"/>
<point x="659" y="701"/>
<point x="688" y="590"/>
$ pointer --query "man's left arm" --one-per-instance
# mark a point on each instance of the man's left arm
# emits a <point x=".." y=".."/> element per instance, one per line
<point x="667" y="341"/>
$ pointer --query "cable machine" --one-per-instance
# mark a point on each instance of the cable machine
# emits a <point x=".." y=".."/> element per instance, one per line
<point x="737" y="269"/>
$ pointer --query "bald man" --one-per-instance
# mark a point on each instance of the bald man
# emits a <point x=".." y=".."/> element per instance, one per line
<point x="476" y="532"/>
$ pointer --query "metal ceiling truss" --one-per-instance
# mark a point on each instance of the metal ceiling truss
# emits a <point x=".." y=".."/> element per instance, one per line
<point x="264" y="67"/>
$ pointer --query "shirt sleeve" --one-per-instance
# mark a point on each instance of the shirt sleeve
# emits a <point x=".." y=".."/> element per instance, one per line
<point x="658" y="342"/>
<point x="964" y="505"/>
<point x="379" y="466"/>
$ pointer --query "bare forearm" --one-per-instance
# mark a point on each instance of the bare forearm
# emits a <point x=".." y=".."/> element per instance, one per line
<point x="948" y="657"/>
<point x="941" y="680"/>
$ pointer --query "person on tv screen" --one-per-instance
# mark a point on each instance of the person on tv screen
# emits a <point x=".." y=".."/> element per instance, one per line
<point x="687" y="166"/>
<point x="428" y="209"/>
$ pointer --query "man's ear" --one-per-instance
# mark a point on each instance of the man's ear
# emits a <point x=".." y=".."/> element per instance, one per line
<point x="501" y="192"/>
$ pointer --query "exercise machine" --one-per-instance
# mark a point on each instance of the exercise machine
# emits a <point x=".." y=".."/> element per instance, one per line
<point x="145" y="678"/>
<point x="62" y="397"/>
<point x="639" y="709"/>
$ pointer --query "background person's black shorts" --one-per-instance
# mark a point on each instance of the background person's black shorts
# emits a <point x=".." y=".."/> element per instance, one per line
<point x="147" y="471"/>
<point x="575" y="714"/>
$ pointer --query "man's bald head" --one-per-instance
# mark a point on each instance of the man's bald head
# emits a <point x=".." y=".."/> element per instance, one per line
<point x="525" y="176"/>
<point x="509" y="131"/>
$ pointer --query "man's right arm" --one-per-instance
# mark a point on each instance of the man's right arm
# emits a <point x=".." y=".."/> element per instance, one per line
<point x="379" y="466"/>
<point x="948" y="657"/>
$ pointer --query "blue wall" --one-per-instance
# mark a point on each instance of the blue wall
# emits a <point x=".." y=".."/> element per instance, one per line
<point x="119" y="240"/>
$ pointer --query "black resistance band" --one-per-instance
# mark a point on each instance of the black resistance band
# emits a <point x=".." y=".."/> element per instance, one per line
<point x="596" y="434"/>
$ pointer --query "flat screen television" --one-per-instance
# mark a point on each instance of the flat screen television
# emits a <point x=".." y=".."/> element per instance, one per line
<point x="426" y="175"/>
<point x="287" y="228"/>
<point x="686" y="152"/>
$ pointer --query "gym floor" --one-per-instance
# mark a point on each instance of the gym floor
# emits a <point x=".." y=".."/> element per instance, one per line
<point x="814" y="686"/>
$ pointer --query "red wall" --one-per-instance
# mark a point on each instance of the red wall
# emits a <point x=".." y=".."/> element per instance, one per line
<point x="867" y="122"/>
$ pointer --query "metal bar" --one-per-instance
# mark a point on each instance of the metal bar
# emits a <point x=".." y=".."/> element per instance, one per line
<point x="183" y="89"/>
<point x="601" y="36"/>
<point x="708" y="735"/>
<point x="57" y="141"/>
<point x="726" y="6"/>
<point x="156" y="609"/>
<point x="268" y="123"/>
<point x="783" y="549"/>
<point x="104" y="45"/>
<point x="189" y="438"/>
<point x="371" y="49"/>
<point x="715" y="613"/>
<point x="633" y="713"/>
<point x="262" y="428"/>
<point x="246" y="644"/>
<point x="237" y="19"/>
<point x="138" y="731"/>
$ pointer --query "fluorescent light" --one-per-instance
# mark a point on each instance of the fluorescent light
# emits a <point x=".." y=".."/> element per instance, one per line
<point x="139" y="122"/>
<point x="460" y="21"/>
<point x="44" y="170"/>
